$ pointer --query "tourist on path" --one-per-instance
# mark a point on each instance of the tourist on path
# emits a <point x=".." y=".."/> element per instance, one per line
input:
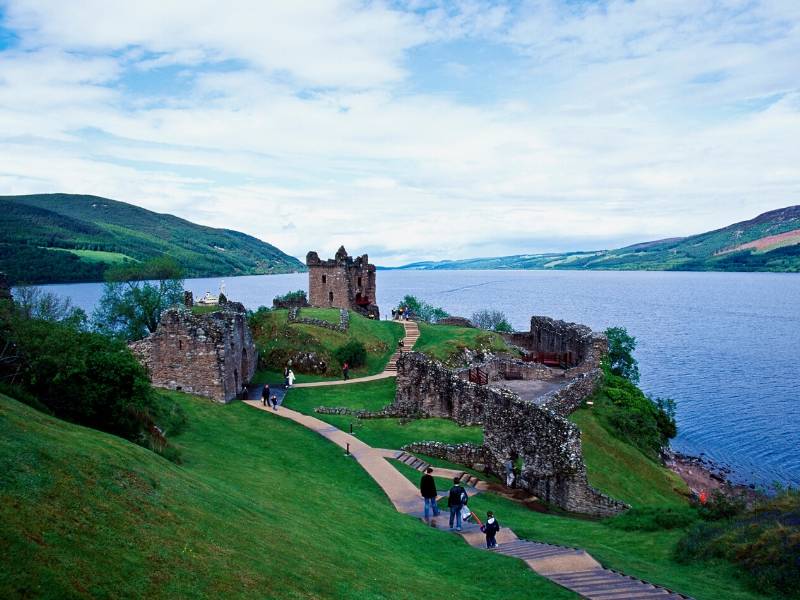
<point x="346" y="370"/>
<point x="265" y="394"/>
<point x="456" y="500"/>
<point x="427" y="488"/>
<point x="290" y="379"/>
<point x="286" y="376"/>
<point x="490" y="529"/>
<point x="274" y="402"/>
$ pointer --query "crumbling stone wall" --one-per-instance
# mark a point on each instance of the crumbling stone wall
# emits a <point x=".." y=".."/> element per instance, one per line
<point x="342" y="282"/>
<point x="500" y="368"/>
<point x="457" y="321"/>
<point x="548" y="444"/>
<point x="552" y="335"/>
<point x="342" y="326"/>
<point x="210" y="354"/>
<point x="568" y="399"/>
<point x="463" y="454"/>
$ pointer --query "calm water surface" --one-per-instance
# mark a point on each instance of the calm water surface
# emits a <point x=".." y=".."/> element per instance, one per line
<point x="723" y="345"/>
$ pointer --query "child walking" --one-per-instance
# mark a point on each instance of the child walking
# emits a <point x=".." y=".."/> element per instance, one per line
<point x="490" y="528"/>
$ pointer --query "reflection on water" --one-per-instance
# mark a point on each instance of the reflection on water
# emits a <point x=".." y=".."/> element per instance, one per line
<point x="724" y="345"/>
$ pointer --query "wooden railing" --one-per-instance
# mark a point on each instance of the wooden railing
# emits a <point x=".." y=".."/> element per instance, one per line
<point x="478" y="375"/>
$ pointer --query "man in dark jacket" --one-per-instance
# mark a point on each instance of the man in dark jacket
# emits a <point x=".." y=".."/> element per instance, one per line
<point x="490" y="529"/>
<point x="427" y="488"/>
<point x="456" y="499"/>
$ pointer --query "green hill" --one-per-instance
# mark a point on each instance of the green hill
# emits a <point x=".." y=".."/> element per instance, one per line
<point x="65" y="237"/>
<point x="769" y="242"/>
<point x="260" y="508"/>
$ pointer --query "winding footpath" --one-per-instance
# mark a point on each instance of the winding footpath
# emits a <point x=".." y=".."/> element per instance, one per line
<point x="571" y="568"/>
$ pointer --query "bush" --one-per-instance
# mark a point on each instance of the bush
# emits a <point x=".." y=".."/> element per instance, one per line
<point x="719" y="506"/>
<point x="654" y="518"/>
<point x="353" y="352"/>
<point x="763" y="543"/>
<point x="620" y="354"/>
<point x="493" y="320"/>
<point x="422" y="310"/>
<point x="90" y="379"/>
<point x="297" y="296"/>
<point x="625" y="411"/>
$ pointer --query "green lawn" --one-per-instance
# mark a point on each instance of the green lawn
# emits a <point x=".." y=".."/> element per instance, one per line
<point x="98" y="256"/>
<point x="441" y="342"/>
<point x="624" y="472"/>
<point x="277" y="339"/>
<point x="380" y="433"/>
<point x="331" y="315"/>
<point x="260" y="508"/>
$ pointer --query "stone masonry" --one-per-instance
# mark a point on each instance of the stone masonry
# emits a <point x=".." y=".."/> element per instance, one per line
<point x="342" y="282"/>
<point x="548" y="445"/>
<point x="209" y="354"/>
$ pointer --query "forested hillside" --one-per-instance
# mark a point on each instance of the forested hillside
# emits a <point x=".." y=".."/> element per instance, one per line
<point x="65" y="237"/>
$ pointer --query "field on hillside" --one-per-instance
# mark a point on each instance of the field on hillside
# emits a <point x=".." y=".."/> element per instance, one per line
<point x="261" y="508"/>
<point x="444" y="342"/>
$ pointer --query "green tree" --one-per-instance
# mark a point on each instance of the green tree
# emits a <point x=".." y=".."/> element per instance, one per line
<point x="620" y="354"/>
<point x="494" y="320"/>
<point x="422" y="310"/>
<point x="134" y="296"/>
<point x="33" y="303"/>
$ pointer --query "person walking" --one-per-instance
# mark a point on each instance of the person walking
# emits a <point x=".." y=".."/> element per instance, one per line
<point x="346" y="370"/>
<point x="427" y="489"/>
<point x="265" y="394"/>
<point x="290" y="379"/>
<point x="286" y="376"/>
<point x="274" y="402"/>
<point x="456" y="500"/>
<point x="490" y="529"/>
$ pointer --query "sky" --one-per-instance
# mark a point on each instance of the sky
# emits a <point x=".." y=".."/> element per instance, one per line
<point x="411" y="130"/>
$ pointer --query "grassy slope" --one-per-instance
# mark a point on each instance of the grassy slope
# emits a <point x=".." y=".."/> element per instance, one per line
<point x="622" y="471"/>
<point x="89" y="223"/>
<point x="380" y="433"/>
<point x="440" y="342"/>
<point x="276" y="338"/>
<point x="261" y="508"/>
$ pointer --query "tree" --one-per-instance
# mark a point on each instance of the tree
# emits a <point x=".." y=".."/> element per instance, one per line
<point x="422" y="310"/>
<point x="135" y="295"/>
<point x="620" y="354"/>
<point x="33" y="303"/>
<point x="493" y="320"/>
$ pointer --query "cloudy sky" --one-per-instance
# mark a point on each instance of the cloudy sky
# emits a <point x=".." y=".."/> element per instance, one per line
<point x="410" y="129"/>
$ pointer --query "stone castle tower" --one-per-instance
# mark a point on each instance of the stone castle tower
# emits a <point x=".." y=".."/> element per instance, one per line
<point x="342" y="282"/>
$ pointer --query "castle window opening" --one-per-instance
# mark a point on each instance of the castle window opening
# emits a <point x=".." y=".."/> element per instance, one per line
<point x="180" y="344"/>
<point x="359" y="282"/>
<point x="324" y="279"/>
<point x="330" y="296"/>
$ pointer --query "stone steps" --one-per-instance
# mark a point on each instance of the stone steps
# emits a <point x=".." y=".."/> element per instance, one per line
<point x="605" y="584"/>
<point x="412" y="461"/>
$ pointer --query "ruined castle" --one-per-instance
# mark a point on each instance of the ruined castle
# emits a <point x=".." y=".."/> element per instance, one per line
<point x="523" y="408"/>
<point x="342" y="282"/>
<point x="209" y="354"/>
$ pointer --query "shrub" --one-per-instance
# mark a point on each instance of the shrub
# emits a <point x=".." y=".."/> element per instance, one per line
<point x="719" y="506"/>
<point x="763" y="543"/>
<point x="422" y="310"/>
<point x="297" y="296"/>
<point x="494" y="320"/>
<point x="654" y="518"/>
<point x="90" y="379"/>
<point x="353" y="352"/>
<point x="620" y="354"/>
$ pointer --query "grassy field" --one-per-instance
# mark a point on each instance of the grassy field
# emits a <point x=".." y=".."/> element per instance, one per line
<point x="380" y="433"/>
<point x="277" y="339"/>
<point x="622" y="471"/>
<point x="99" y="256"/>
<point x="260" y="508"/>
<point x="441" y="342"/>
<point x="331" y="315"/>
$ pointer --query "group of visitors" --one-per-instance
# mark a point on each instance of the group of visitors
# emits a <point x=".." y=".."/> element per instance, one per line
<point x="266" y="397"/>
<point x="401" y="314"/>
<point x="457" y="499"/>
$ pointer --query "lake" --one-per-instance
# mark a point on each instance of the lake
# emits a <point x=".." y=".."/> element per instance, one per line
<point x="723" y="345"/>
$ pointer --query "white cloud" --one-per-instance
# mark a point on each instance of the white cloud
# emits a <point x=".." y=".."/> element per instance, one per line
<point x="624" y="121"/>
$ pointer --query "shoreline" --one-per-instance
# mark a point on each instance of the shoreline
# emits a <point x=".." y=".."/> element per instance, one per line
<point x="703" y="475"/>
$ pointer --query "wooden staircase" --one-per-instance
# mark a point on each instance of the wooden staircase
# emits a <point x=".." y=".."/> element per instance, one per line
<point x="410" y="338"/>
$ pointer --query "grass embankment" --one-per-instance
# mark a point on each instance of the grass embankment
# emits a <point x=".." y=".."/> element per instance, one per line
<point x="379" y="433"/>
<point x="277" y="340"/>
<point x="260" y="508"/>
<point x="622" y="471"/>
<point x="444" y="342"/>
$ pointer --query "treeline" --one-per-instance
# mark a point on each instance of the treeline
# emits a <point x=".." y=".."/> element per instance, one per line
<point x="31" y="265"/>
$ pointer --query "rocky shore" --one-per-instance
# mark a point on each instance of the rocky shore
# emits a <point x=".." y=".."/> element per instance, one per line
<point x="703" y="475"/>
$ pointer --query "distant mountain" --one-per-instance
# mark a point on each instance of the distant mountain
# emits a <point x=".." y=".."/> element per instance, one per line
<point x="770" y="242"/>
<point x="64" y="237"/>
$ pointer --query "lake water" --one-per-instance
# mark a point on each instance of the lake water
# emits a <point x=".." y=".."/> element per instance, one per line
<point x="723" y="345"/>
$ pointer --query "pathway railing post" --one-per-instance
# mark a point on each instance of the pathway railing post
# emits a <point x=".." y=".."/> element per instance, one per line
<point x="347" y="451"/>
